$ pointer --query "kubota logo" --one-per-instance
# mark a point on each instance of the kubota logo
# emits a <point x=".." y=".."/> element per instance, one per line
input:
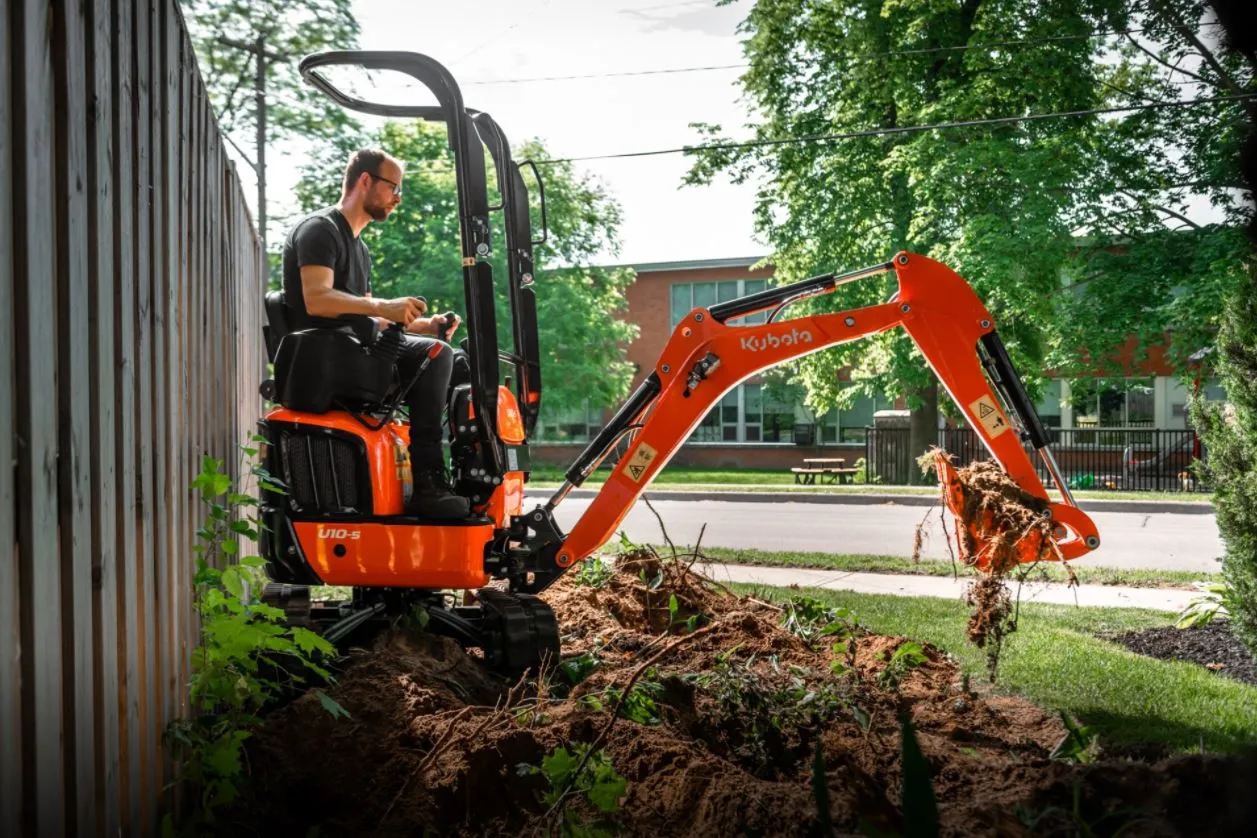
<point x="754" y="344"/>
<point x="329" y="532"/>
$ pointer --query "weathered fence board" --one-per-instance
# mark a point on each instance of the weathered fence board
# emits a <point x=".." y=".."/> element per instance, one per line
<point x="74" y="405"/>
<point x="10" y="629"/>
<point x="101" y="291"/>
<point x="39" y="565"/>
<point x="130" y="300"/>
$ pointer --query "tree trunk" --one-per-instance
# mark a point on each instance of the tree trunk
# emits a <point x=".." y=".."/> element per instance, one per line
<point x="923" y="430"/>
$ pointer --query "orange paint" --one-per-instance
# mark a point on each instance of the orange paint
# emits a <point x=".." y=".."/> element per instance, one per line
<point x="402" y="555"/>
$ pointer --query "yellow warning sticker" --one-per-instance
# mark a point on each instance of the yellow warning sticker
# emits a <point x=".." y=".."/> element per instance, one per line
<point x="991" y="417"/>
<point x="636" y="466"/>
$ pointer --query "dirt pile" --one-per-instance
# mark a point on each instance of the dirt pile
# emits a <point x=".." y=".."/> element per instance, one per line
<point x="722" y="703"/>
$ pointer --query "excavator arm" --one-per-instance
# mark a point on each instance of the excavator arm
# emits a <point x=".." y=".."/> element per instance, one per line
<point x="705" y="358"/>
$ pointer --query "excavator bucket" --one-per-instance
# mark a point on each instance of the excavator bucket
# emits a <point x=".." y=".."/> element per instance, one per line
<point x="998" y="525"/>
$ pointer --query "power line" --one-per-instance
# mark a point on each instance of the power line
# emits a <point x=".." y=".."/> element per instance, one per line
<point x="905" y="129"/>
<point x="863" y="57"/>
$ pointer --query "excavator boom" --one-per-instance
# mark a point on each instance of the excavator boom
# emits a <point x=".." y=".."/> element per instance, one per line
<point x="705" y="358"/>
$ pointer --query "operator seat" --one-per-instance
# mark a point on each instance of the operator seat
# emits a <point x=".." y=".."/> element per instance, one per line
<point x="319" y="369"/>
<point x="276" y="326"/>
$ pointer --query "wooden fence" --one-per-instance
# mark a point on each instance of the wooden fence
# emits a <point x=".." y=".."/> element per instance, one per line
<point x="130" y="310"/>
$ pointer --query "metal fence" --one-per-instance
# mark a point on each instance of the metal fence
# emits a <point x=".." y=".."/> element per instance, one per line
<point x="1116" y="459"/>
<point x="130" y="285"/>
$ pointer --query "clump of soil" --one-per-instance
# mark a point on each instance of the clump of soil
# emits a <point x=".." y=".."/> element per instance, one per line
<point x="1213" y="646"/>
<point x="721" y="712"/>
<point x="999" y="527"/>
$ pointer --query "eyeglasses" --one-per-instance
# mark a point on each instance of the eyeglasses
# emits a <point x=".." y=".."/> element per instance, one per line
<point x="397" y="187"/>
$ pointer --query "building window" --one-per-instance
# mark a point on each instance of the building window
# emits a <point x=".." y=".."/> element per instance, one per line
<point x="578" y="424"/>
<point x="1124" y="403"/>
<point x="687" y="296"/>
<point x="850" y="425"/>
<point x="1049" y="404"/>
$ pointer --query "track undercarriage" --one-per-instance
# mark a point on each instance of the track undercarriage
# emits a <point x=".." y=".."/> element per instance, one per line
<point x="516" y="632"/>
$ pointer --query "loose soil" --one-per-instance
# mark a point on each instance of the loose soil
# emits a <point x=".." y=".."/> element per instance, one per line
<point x="1213" y="646"/>
<point x="435" y="744"/>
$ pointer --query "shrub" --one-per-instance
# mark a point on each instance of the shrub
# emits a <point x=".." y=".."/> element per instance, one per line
<point x="1229" y="433"/>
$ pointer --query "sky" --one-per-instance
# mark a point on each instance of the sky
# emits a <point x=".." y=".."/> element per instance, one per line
<point x="493" y="40"/>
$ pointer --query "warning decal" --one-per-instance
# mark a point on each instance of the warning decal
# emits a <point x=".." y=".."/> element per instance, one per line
<point x="637" y="464"/>
<point x="991" y="417"/>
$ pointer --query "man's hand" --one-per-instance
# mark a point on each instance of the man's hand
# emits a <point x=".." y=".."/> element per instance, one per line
<point x="440" y="326"/>
<point x="404" y="310"/>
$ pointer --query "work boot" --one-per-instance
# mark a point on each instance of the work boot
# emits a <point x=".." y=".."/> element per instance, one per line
<point x="433" y="497"/>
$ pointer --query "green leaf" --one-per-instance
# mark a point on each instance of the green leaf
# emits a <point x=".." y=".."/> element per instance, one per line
<point x="606" y="792"/>
<point x="229" y="547"/>
<point x="332" y="706"/>
<point x="231" y="581"/>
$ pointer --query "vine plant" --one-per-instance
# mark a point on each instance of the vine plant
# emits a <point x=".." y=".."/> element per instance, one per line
<point x="247" y="656"/>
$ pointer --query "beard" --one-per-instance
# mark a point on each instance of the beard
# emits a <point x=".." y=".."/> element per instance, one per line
<point x="379" y="212"/>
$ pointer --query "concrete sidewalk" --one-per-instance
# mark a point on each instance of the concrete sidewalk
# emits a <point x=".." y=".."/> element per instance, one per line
<point x="945" y="587"/>
<point x="774" y="494"/>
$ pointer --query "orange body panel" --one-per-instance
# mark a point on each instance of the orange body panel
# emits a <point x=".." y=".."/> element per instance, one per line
<point x="507" y="499"/>
<point x="934" y="305"/>
<point x="510" y="422"/>
<point x="395" y="554"/>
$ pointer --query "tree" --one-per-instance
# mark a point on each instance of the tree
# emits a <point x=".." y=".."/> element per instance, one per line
<point x="1148" y="268"/>
<point x="1229" y="431"/>
<point x="416" y="251"/>
<point x="990" y="201"/>
<point x="222" y="29"/>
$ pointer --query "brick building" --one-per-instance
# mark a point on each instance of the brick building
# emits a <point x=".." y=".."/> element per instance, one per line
<point x="749" y="428"/>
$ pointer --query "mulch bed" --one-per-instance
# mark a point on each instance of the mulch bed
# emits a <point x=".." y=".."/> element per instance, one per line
<point x="1213" y="646"/>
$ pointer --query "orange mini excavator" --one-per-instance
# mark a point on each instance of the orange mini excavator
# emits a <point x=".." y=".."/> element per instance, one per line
<point x="336" y="442"/>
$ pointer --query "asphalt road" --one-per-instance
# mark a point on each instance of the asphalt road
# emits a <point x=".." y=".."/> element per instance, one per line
<point x="1161" y="541"/>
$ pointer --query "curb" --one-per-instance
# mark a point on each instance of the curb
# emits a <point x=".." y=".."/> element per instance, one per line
<point x="1116" y="506"/>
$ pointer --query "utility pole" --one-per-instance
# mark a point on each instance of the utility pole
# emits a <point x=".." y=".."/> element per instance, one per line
<point x="259" y="51"/>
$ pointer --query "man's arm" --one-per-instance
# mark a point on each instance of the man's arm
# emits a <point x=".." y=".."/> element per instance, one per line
<point x="323" y="300"/>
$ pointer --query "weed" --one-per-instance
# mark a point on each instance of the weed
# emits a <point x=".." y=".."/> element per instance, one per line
<point x="1079" y="744"/>
<point x="641" y="705"/>
<point x="247" y="656"/>
<point x="598" y="784"/>
<point x="594" y="572"/>
<point x="1217" y="601"/>
<point x="907" y="657"/>
<point x="810" y="619"/>
<point x="768" y="721"/>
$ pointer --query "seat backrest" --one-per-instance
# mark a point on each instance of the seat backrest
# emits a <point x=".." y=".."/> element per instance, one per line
<point x="277" y="322"/>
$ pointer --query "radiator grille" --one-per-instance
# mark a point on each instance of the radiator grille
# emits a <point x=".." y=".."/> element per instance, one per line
<point x="325" y="474"/>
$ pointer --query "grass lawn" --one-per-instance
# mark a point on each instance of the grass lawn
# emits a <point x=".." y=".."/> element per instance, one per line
<point x="778" y="480"/>
<point x="898" y="564"/>
<point x="1055" y="660"/>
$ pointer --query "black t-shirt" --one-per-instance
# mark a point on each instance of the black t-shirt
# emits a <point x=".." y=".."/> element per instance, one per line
<point x="325" y="238"/>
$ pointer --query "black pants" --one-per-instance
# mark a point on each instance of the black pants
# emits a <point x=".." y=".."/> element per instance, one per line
<point x="426" y="399"/>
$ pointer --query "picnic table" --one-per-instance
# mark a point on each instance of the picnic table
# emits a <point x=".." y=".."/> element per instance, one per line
<point x="829" y="469"/>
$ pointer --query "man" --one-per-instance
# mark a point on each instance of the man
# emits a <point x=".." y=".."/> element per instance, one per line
<point x="327" y="284"/>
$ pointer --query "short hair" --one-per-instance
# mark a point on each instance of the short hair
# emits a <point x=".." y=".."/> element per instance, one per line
<point x="364" y="160"/>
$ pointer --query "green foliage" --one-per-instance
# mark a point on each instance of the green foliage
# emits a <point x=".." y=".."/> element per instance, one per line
<point x="768" y="720"/>
<point x="295" y="111"/>
<point x="416" y="252"/>
<point x="1079" y="744"/>
<point x="1216" y="602"/>
<point x="247" y="656"/>
<point x="595" y="572"/>
<point x="811" y="619"/>
<point x="1229" y="433"/>
<point x="1000" y="204"/>
<point x="598" y="784"/>
<point x="907" y="657"/>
